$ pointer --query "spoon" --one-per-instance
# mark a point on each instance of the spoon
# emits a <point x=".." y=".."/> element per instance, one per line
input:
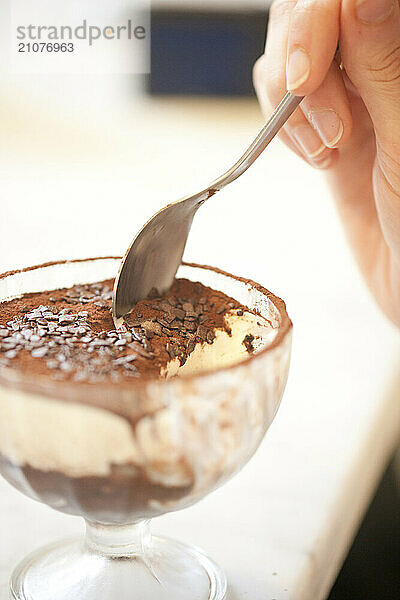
<point x="153" y="258"/>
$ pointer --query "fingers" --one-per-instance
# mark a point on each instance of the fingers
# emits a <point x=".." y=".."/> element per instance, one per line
<point x="269" y="71"/>
<point x="312" y="42"/>
<point x="328" y="109"/>
<point x="370" y="46"/>
<point x="324" y="121"/>
<point x="270" y="83"/>
<point x="308" y="142"/>
<point x="297" y="133"/>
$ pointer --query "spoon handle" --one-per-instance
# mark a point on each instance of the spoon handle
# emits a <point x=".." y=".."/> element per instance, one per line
<point x="285" y="108"/>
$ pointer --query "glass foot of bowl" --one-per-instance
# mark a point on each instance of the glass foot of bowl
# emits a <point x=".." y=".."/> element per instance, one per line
<point x="105" y="567"/>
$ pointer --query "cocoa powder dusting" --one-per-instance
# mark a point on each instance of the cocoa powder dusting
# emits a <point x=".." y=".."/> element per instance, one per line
<point x="69" y="334"/>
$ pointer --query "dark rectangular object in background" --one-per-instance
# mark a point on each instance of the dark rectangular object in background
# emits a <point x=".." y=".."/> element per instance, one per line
<point x="198" y="53"/>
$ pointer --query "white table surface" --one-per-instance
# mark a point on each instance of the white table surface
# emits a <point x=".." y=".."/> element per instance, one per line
<point x="281" y="528"/>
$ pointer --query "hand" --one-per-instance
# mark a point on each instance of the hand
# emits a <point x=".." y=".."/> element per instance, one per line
<point x="349" y="124"/>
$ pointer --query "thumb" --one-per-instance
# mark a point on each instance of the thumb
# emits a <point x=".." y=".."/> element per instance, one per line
<point x="370" y="48"/>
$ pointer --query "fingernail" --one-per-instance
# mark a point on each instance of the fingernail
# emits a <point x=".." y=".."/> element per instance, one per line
<point x="308" y="141"/>
<point x="328" y="125"/>
<point x="325" y="164"/>
<point x="374" y="11"/>
<point x="297" y="69"/>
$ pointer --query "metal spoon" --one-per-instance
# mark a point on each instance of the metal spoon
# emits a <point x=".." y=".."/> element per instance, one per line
<point x="155" y="254"/>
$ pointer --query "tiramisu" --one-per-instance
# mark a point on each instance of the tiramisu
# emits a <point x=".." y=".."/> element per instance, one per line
<point x="120" y="462"/>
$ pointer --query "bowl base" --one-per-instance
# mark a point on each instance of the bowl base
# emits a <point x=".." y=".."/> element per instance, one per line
<point x="73" y="570"/>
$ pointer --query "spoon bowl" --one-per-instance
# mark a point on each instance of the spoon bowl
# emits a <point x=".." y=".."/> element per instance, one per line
<point x="152" y="259"/>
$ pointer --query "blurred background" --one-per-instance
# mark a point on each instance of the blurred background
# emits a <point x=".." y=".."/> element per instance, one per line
<point x="85" y="159"/>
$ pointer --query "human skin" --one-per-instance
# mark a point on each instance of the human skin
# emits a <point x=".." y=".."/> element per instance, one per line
<point x="349" y="123"/>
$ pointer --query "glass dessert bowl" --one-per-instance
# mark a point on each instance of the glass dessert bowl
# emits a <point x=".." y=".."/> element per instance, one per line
<point x="119" y="455"/>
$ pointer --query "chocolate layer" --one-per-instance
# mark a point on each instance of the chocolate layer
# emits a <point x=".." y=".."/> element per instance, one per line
<point x="122" y="497"/>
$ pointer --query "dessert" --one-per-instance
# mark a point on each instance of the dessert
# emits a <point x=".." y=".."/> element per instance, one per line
<point x="126" y="460"/>
<point x="120" y="426"/>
